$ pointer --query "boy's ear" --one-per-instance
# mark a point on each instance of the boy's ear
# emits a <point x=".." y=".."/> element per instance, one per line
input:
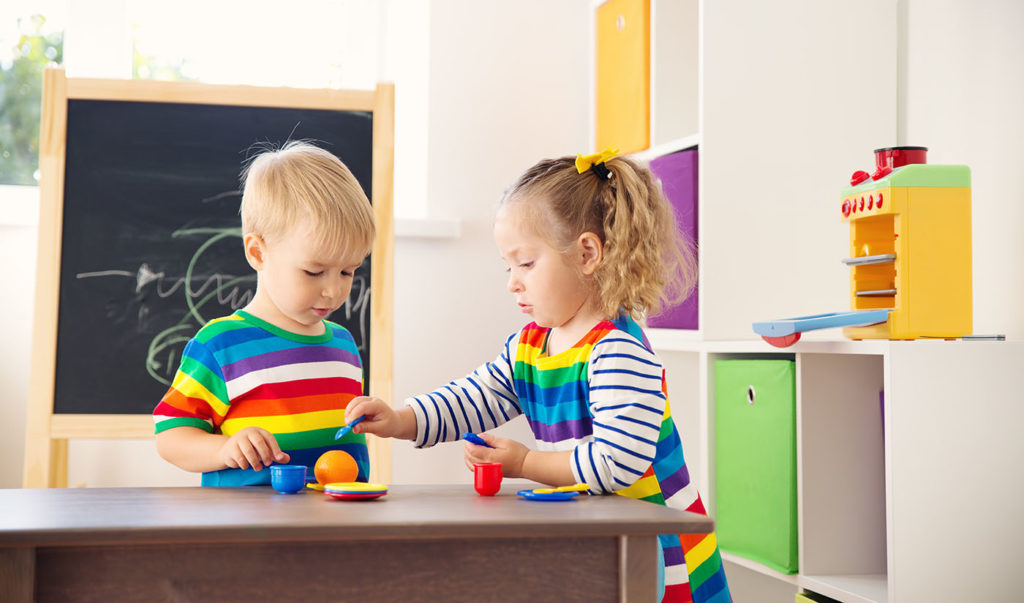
<point x="253" y="245"/>
<point x="591" y="252"/>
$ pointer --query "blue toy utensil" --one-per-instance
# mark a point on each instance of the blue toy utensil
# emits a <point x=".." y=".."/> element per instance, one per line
<point x="347" y="428"/>
<point x="475" y="439"/>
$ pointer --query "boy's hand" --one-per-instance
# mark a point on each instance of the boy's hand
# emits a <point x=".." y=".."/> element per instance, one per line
<point x="252" y="447"/>
<point x="381" y="420"/>
<point x="509" y="453"/>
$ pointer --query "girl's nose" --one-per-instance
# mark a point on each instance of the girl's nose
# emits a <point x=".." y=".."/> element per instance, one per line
<point x="514" y="284"/>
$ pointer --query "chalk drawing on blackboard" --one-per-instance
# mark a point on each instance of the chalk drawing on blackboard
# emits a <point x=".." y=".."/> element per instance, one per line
<point x="227" y="292"/>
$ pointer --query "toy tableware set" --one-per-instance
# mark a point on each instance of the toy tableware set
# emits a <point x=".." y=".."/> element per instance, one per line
<point x="355" y="490"/>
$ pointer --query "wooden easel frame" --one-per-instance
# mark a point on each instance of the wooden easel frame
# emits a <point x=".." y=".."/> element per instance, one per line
<point x="47" y="434"/>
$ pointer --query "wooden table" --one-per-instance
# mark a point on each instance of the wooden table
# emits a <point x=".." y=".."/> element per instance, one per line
<point x="416" y="543"/>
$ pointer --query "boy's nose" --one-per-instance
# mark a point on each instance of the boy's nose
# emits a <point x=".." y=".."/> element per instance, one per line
<point x="332" y="288"/>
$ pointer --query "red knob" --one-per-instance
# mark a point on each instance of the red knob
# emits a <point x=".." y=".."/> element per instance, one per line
<point x="878" y="203"/>
<point x="858" y="177"/>
<point x="846" y="208"/>
<point x="861" y="204"/>
<point x="881" y="172"/>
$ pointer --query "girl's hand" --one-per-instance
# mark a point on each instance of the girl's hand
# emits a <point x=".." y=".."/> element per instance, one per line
<point x="381" y="420"/>
<point x="252" y="447"/>
<point x="509" y="453"/>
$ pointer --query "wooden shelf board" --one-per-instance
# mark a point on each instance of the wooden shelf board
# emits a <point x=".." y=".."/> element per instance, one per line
<point x="679" y="340"/>
<point x="852" y="588"/>
<point x="666" y="148"/>
<point x="759" y="568"/>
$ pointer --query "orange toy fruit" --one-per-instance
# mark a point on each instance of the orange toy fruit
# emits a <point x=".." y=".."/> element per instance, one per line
<point x="335" y="466"/>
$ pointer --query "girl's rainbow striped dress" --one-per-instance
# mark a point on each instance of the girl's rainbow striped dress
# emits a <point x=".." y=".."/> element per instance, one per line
<point x="605" y="400"/>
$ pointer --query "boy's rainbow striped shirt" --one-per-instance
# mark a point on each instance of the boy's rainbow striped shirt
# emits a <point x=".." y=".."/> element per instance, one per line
<point x="604" y="400"/>
<point x="241" y="371"/>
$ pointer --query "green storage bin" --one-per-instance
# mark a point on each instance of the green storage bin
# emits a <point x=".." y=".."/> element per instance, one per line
<point x="755" y="460"/>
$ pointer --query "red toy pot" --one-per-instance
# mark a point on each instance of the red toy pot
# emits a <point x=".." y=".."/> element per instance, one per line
<point x="894" y="157"/>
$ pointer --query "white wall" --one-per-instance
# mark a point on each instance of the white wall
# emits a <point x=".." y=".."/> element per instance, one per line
<point x="508" y="85"/>
<point x="17" y="268"/>
<point x="794" y="99"/>
<point x="962" y="88"/>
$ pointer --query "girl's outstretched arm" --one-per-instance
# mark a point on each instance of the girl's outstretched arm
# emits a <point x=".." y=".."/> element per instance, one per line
<point x="483" y="400"/>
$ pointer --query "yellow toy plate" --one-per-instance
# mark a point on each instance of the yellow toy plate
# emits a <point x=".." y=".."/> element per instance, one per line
<point x="572" y="488"/>
<point x="354" y="487"/>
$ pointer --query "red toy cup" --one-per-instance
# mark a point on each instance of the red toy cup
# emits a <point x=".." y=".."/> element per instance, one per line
<point x="895" y="157"/>
<point x="487" y="478"/>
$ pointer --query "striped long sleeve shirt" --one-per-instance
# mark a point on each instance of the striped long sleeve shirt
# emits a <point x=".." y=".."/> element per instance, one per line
<point x="241" y="371"/>
<point x="604" y="400"/>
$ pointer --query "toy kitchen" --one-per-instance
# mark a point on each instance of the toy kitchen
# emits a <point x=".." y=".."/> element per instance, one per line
<point x="910" y="254"/>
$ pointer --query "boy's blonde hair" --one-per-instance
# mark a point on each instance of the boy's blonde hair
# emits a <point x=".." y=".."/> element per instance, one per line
<point x="647" y="262"/>
<point x="298" y="181"/>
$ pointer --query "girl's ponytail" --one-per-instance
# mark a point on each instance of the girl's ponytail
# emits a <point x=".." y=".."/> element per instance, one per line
<point x="647" y="261"/>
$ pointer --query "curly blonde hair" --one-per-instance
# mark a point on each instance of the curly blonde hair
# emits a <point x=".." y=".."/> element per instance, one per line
<point x="647" y="262"/>
<point x="283" y="186"/>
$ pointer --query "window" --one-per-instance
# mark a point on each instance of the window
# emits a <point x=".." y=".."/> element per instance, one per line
<point x="31" y="37"/>
<point x="309" y="44"/>
<point x="349" y="44"/>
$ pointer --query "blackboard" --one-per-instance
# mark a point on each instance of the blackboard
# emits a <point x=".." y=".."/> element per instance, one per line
<point x="139" y="242"/>
<point x="151" y="244"/>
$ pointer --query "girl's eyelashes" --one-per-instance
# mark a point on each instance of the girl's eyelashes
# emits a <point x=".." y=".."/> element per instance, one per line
<point x="311" y="273"/>
<point x="524" y="265"/>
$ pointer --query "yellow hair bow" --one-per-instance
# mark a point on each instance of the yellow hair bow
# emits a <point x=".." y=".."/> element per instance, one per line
<point x="587" y="162"/>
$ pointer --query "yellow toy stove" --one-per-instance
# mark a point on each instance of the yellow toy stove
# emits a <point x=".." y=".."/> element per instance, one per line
<point x="910" y="254"/>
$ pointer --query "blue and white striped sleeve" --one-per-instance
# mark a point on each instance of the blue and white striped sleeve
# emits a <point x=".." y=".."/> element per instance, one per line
<point x="627" y="403"/>
<point x="483" y="400"/>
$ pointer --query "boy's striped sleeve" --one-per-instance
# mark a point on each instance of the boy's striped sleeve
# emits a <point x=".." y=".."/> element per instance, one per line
<point x="197" y="396"/>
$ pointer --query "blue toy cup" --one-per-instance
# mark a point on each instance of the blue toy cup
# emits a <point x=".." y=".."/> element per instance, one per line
<point x="288" y="479"/>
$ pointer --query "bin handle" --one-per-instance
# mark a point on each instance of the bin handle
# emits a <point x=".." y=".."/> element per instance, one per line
<point x="751" y="394"/>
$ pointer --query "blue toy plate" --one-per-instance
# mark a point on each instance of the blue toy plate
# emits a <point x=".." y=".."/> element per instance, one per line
<point x="530" y="494"/>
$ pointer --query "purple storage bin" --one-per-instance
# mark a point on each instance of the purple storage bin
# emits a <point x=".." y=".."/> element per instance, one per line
<point x="678" y="175"/>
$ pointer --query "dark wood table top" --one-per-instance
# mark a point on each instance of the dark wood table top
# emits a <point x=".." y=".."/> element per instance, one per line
<point x="90" y="516"/>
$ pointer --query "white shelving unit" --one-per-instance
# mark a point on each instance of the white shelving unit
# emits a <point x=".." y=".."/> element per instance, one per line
<point x="909" y="504"/>
<point x="882" y="491"/>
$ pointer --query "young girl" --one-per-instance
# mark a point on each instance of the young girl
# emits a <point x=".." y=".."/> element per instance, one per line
<point x="591" y="245"/>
